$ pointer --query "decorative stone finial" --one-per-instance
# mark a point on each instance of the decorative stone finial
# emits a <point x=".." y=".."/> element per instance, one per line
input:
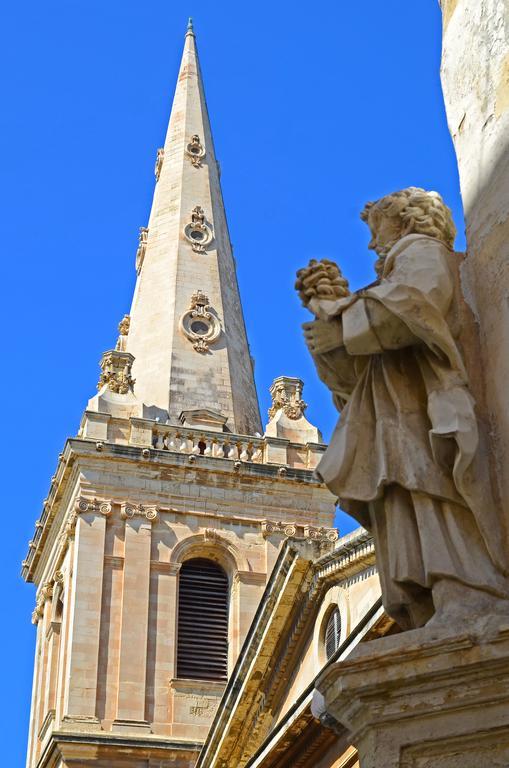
<point x="287" y="396"/>
<point x="116" y="368"/>
<point x="123" y="329"/>
<point x="190" y="28"/>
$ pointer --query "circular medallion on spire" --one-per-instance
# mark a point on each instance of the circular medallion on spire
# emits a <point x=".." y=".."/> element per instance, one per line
<point x="198" y="232"/>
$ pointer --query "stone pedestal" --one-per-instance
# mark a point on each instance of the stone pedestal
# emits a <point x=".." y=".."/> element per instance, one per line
<point x="426" y="698"/>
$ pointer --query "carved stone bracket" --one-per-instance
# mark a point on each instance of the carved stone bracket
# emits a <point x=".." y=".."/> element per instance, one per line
<point x="195" y="151"/>
<point x="287" y="396"/>
<point x="294" y="530"/>
<point x="199" y="324"/>
<point x="159" y="162"/>
<point x="129" y="511"/>
<point x="142" y="247"/>
<point x="116" y="371"/>
<point x="198" y="232"/>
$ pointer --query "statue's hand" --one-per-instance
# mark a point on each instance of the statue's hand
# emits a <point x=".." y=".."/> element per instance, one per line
<point x="323" y="336"/>
<point x="321" y="280"/>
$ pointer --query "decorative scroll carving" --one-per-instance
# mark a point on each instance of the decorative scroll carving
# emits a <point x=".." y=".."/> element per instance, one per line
<point x="199" y="324"/>
<point x="85" y="505"/>
<point x="116" y="371"/>
<point x="128" y="511"/>
<point x="195" y="151"/>
<point x="159" y="162"/>
<point x="269" y="528"/>
<point x="142" y="247"/>
<point x="287" y="396"/>
<point x="294" y="530"/>
<point x="198" y="232"/>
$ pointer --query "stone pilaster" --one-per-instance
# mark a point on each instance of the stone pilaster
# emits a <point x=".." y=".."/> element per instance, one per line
<point x="81" y="695"/>
<point x="135" y="610"/>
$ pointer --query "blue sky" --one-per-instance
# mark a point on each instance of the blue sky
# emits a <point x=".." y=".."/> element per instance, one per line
<point x="315" y="109"/>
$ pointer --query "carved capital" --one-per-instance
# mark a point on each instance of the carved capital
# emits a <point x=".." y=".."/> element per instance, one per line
<point x="320" y="534"/>
<point x="46" y="593"/>
<point x="270" y="528"/>
<point x="128" y="511"/>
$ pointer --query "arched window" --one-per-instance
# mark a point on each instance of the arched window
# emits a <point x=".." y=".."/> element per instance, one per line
<point x="332" y="633"/>
<point x="202" y="624"/>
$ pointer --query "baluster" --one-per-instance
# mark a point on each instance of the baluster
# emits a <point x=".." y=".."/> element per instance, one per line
<point x="173" y="442"/>
<point x="257" y="455"/>
<point x="234" y="452"/>
<point x="244" y="454"/>
<point x="208" y="448"/>
<point x="217" y="449"/>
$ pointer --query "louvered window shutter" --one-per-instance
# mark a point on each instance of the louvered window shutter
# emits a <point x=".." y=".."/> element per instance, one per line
<point x="202" y="624"/>
<point x="332" y="633"/>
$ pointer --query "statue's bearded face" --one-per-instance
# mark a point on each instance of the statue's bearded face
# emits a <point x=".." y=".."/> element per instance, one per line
<point x="385" y="231"/>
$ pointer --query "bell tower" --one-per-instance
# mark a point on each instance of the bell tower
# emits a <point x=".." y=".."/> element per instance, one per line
<point x="166" y="512"/>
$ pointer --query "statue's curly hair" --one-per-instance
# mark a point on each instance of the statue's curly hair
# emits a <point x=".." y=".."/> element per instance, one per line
<point x="421" y="212"/>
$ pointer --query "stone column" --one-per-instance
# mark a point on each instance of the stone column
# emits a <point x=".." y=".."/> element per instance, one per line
<point x="475" y="82"/>
<point x="135" y="609"/>
<point x="86" y="597"/>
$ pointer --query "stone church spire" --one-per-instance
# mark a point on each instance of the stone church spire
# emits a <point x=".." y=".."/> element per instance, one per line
<point x="187" y="333"/>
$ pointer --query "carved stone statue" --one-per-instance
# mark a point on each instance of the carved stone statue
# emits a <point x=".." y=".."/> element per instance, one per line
<point x="405" y="457"/>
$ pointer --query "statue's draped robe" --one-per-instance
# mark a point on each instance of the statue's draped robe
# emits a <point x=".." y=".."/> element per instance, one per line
<point x="404" y="458"/>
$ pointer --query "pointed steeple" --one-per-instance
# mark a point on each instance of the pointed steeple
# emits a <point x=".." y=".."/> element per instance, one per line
<point x="187" y="333"/>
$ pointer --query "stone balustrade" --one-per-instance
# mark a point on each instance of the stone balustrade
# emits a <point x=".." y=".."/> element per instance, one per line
<point x="194" y="441"/>
<point x="216" y="445"/>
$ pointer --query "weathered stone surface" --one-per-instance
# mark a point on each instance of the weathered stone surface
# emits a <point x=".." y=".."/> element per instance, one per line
<point x="406" y="457"/>
<point x="426" y="698"/>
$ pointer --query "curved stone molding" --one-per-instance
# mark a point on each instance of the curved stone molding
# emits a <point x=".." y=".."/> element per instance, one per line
<point x="210" y="542"/>
<point x="198" y="324"/>
<point x="128" y="511"/>
<point x="198" y="232"/>
<point x="195" y="151"/>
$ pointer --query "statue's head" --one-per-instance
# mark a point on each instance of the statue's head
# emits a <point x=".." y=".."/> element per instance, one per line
<point x="410" y="211"/>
